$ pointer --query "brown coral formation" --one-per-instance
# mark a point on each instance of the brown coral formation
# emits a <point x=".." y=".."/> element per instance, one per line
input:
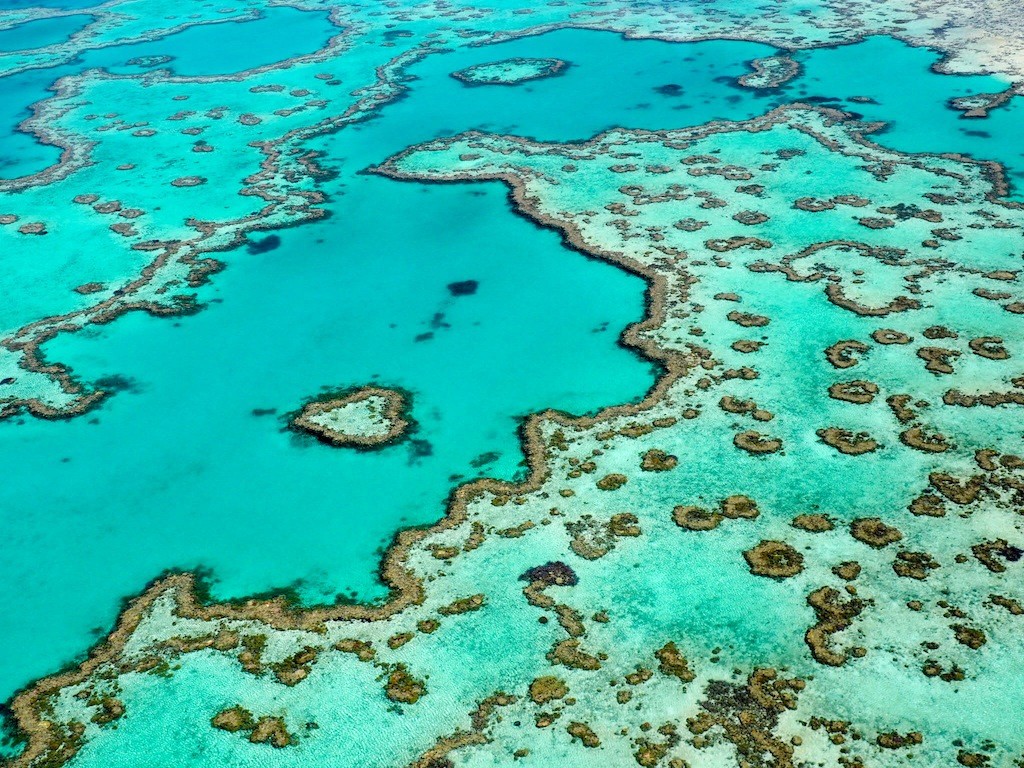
<point x="834" y="615"/>
<point x="673" y="663"/>
<point x="233" y="719"/>
<point x="900" y="407"/>
<point x="265" y="730"/>
<point x="774" y="559"/>
<point x="842" y="354"/>
<point x="188" y="181"/>
<point x="593" y="539"/>
<point x="403" y="687"/>
<point x="569" y="654"/>
<point x="271" y="730"/>
<point x="938" y="360"/>
<point x="889" y="336"/>
<point x="656" y="460"/>
<point x="847" y="442"/>
<point x="988" y="399"/>
<point x="917" y="438"/>
<point x="547" y="688"/>
<point x="747" y="716"/>
<point x="895" y="740"/>
<point x="583" y="733"/>
<point x="756" y="443"/>
<point x="746" y="346"/>
<point x="395" y="415"/>
<point x="110" y="709"/>
<point x="972" y="637"/>
<point x="858" y="391"/>
<point x="873" y="532"/>
<point x="914" y="565"/>
<point x="748" y="320"/>
<point x="554" y="573"/>
<point x="295" y="668"/>
<point x="813" y="523"/>
<point x="996" y="553"/>
<point x="462" y="605"/>
<point x="612" y="482"/>
<point x="693" y="518"/>
<point x="989" y="347"/>
<point x="847" y="570"/>
<point x="739" y="506"/>
<point x="960" y="492"/>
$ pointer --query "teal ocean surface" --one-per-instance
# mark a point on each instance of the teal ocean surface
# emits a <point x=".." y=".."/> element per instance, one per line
<point x="191" y="466"/>
<point x="203" y="483"/>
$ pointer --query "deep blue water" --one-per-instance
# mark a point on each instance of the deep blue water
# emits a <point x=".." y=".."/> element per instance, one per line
<point x="42" y="32"/>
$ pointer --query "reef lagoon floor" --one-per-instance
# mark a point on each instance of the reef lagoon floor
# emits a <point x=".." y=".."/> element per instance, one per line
<point x="439" y="385"/>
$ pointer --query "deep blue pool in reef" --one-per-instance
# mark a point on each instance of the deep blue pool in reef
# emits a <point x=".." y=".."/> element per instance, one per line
<point x="190" y="465"/>
<point x="63" y="4"/>
<point x="42" y="32"/>
<point x="205" y="50"/>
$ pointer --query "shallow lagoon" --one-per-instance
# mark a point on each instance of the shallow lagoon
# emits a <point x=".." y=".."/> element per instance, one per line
<point x="41" y="32"/>
<point x="202" y="482"/>
<point x="208" y="50"/>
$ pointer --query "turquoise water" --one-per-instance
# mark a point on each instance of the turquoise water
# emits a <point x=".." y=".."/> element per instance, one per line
<point x="190" y="466"/>
<point x="193" y="383"/>
<point x="208" y="50"/>
<point x="211" y="50"/>
<point x="916" y="116"/>
<point x="67" y="4"/>
<point x="41" y="32"/>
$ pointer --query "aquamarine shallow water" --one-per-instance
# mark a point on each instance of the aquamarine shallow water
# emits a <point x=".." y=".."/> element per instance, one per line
<point x="202" y="482"/>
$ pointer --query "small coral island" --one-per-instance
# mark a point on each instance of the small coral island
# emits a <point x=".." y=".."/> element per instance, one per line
<point x="366" y="417"/>
<point x="510" y="71"/>
<point x="770" y="72"/>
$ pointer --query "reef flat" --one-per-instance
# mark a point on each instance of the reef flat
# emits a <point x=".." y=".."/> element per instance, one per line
<point x="510" y="71"/>
<point x="799" y="546"/>
<point x="368" y="417"/>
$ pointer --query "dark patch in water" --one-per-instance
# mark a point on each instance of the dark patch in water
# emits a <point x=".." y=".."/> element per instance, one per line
<point x="268" y="243"/>
<point x="424" y="336"/>
<point x="484" y="458"/>
<point x="264" y="411"/>
<point x="1012" y="553"/>
<point x="554" y="572"/>
<point x="418" y="448"/>
<point x="670" y="89"/>
<point x="463" y="287"/>
<point x="117" y="383"/>
<point x="978" y="134"/>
